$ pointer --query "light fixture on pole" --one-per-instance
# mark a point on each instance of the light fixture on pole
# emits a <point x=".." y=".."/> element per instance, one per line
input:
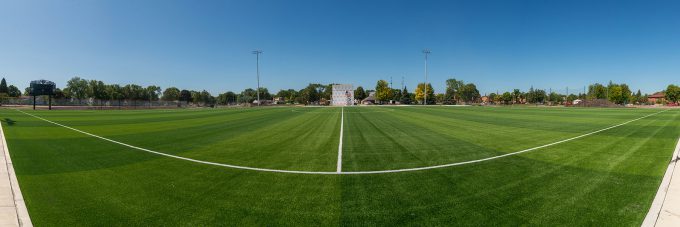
<point x="426" y="52"/>
<point x="257" y="53"/>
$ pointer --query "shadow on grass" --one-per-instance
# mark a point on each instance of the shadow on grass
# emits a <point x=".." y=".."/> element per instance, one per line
<point x="9" y="122"/>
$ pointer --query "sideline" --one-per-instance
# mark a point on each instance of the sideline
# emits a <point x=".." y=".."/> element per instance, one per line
<point x="342" y="126"/>
<point x="665" y="209"/>
<point x="13" y="211"/>
<point x="335" y="172"/>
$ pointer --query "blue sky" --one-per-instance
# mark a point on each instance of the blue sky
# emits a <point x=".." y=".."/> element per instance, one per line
<point x="498" y="45"/>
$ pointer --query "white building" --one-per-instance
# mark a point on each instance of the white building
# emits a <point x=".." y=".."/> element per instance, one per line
<point x="343" y="95"/>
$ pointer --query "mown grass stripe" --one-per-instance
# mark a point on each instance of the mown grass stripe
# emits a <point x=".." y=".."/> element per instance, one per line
<point x="352" y="172"/>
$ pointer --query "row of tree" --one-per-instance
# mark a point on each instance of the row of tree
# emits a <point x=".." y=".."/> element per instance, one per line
<point x="457" y="91"/>
<point x="79" y="89"/>
<point x="8" y="91"/>
<point x="615" y="93"/>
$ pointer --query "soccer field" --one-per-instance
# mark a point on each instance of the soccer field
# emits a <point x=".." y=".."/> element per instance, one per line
<point x="341" y="166"/>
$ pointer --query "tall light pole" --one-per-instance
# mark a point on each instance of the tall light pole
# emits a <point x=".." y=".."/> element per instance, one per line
<point x="257" y="53"/>
<point x="426" y="52"/>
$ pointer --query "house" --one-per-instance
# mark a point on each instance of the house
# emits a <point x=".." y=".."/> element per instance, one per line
<point x="485" y="99"/>
<point x="279" y="100"/>
<point x="370" y="99"/>
<point x="658" y="97"/>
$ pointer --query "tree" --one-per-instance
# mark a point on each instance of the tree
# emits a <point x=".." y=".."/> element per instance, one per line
<point x="327" y="92"/>
<point x="439" y="98"/>
<point x="615" y="94"/>
<point x="359" y="93"/>
<point x="626" y="94"/>
<point x="516" y="96"/>
<point x="3" y="86"/>
<point x="571" y="97"/>
<point x="597" y="91"/>
<point x="644" y="99"/>
<point x="171" y="94"/>
<point x="58" y="94"/>
<point x="264" y="94"/>
<point x="196" y="97"/>
<point x="13" y="91"/>
<point x="115" y="92"/>
<point x="539" y="96"/>
<point x="133" y="92"/>
<point x="76" y="88"/>
<point x="492" y="97"/>
<point x="507" y="98"/>
<point x="453" y="90"/>
<point x="470" y="93"/>
<point x="395" y="94"/>
<point x="382" y="91"/>
<point x="672" y="93"/>
<point x="289" y="95"/>
<point x="420" y="93"/>
<point x="248" y="96"/>
<point x="205" y="97"/>
<point x="555" y="98"/>
<point x="185" y="95"/>
<point x="536" y="96"/>
<point x="153" y="92"/>
<point x="309" y="94"/>
<point x="227" y="98"/>
<point x="636" y="97"/>
<point x="96" y="89"/>
<point x="284" y="94"/>
<point x="405" y="97"/>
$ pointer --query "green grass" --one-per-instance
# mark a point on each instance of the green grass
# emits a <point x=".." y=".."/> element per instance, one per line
<point x="604" y="179"/>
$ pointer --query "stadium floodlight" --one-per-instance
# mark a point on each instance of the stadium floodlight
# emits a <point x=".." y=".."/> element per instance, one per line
<point x="426" y="52"/>
<point x="257" y="53"/>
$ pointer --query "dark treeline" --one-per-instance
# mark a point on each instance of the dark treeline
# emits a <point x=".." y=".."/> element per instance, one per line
<point x="94" y="92"/>
<point x="8" y="91"/>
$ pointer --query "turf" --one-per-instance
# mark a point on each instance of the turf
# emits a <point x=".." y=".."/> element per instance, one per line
<point x="608" y="178"/>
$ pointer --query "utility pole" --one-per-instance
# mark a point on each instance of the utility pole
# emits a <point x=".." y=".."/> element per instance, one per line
<point x="391" y="93"/>
<point x="426" y="52"/>
<point x="257" y="53"/>
<point x="391" y="82"/>
<point x="402" y="83"/>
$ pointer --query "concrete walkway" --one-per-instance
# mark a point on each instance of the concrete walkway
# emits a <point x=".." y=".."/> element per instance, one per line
<point x="13" y="210"/>
<point x="665" y="210"/>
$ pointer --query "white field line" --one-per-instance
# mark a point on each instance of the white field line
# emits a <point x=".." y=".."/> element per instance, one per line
<point x="342" y="126"/>
<point x="353" y="172"/>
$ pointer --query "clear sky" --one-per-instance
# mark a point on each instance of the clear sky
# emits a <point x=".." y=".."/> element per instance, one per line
<point x="498" y="45"/>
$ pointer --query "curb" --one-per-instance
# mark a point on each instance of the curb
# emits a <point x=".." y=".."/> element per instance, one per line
<point x="658" y="202"/>
<point x="23" y="219"/>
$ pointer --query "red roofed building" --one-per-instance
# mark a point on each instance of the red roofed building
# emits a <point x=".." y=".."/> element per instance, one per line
<point x="658" y="97"/>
